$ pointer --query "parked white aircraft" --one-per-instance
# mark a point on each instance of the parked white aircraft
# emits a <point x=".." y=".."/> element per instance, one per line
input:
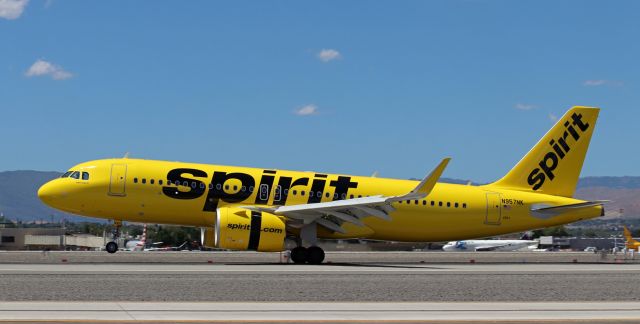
<point x="491" y="245"/>
<point x="137" y="245"/>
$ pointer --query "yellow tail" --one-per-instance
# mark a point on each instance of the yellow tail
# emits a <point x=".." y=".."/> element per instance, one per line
<point x="553" y="165"/>
<point x="630" y="241"/>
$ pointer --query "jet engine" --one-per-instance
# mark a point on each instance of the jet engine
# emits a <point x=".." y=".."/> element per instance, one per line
<point x="242" y="229"/>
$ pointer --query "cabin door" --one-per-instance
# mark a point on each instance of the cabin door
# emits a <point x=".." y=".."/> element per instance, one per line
<point x="118" y="180"/>
<point x="494" y="209"/>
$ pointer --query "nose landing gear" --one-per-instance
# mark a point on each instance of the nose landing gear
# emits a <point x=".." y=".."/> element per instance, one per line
<point x="112" y="247"/>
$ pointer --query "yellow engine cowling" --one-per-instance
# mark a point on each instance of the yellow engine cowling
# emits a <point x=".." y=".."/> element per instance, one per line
<point x="241" y="229"/>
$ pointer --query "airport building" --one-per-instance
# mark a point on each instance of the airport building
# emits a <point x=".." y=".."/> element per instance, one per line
<point x="581" y="243"/>
<point x="47" y="238"/>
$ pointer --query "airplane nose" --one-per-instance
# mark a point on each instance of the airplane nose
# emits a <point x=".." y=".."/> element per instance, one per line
<point x="47" y="192"/>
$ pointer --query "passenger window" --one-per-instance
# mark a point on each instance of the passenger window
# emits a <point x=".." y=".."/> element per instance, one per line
<point x="439" y="203"/>
<point x="144" y="180"/>
<point x="456" y="205"/>
<point x="85" y="175"/>
<point x="424" y="202"/>
<point x="302" y="193"/>
<point x="201" y="185"/>
<point x="416" y="202"/>
<point x="351" y="197"/>
<point x="448" y="204"/>
<point x="295" y="192"/>
<point x="185" y="183"/>
<point x="152" y="181"/>
<point x="193" y="185"/>
<point x="244" y="188"/>
<point x="335" y="196"/>
<point x="344" y="196"/>
<point x="433" y="203"/>
<point x="75" y="175"/>
<point x="235" y="188"/>
<point x="66" y="174"/>
<point x="250" y="188"/>
<point x="135" y="180"/>
<point x="218" y="186"/>
<point x="286" y="192"/>
<point x="464" y="205"/>
<point x="327" y="195"/>
<point x="409" y="202"/>
<point x="160" y="182"/>
<point x="226" y="187"/>
<point x="359" y="196"/>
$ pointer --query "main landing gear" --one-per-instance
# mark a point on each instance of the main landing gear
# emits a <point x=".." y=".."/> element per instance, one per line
<point x="112" y="247"/>
<point x="311" y="255"/>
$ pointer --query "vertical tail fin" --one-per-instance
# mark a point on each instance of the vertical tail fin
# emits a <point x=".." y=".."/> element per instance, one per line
<point x="143" y="240"/>
<point x="553" y="165"/>
<point x="630" y="242"/>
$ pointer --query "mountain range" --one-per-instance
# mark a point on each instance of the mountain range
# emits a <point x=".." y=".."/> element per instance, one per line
<point x="19" y="201"/>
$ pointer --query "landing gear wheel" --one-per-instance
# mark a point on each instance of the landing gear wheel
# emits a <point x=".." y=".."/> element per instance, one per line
<point x="112" y="247"/>
<point x="299" y="255"/>
<point x="315" y="255"/>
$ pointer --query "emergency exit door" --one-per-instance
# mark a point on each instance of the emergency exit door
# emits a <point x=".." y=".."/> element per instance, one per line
<point x="494" y="209"/>
<point x="118" y="180"/>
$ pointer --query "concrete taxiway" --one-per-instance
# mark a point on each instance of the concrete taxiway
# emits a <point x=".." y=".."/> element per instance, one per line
<point x="320" y="312"/>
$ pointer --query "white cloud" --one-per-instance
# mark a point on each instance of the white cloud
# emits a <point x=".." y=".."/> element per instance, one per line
<point x="307" y="110"/>
<point x="327" y="55"/>
<point x="12" y="9"/>
<point x="601" y="82"/>
<point x="553" y="118"/>
<point x="44" y="68"/>
<point x="521" y="106"/>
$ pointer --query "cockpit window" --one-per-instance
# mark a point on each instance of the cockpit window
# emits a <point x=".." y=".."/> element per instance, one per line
<point x="85" y="175"/>
<point x="75" y="175"/>
<point x="66" y="174"/>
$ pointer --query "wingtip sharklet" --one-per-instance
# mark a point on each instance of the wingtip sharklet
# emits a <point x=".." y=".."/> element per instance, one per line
<point x="426" y="185"/>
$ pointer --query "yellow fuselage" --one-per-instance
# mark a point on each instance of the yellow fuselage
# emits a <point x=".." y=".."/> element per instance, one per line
<point x="137" y="190"/>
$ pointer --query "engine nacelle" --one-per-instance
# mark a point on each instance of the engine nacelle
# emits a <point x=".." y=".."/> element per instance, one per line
<point x="241" y="229"/>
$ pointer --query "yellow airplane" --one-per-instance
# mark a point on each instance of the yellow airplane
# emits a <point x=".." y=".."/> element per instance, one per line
<point x="243" y="208"/>
<point x="630" y="242"/>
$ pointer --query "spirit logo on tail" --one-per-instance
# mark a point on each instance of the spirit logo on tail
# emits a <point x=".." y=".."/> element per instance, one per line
<point x="551" y="160"/>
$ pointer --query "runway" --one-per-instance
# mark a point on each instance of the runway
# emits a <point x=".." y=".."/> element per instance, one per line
<point x="250" y="288"/>
<point x="272" y="282"/>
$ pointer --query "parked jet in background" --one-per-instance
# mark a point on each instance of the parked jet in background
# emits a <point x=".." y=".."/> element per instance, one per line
<point x="491" y="245"/>
<point x="630" y="242"/>
<point x="257" y="209"/>
<point x="137" y="245"/>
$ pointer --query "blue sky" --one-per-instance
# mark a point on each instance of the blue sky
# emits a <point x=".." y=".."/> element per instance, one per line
<point x="347" y="87"/>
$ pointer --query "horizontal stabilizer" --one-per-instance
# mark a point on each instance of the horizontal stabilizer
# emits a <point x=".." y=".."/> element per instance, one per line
<point x="546" y="209"/>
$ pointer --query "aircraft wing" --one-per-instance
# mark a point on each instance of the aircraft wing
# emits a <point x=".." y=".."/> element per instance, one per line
<point x="511" y="245"/>
<point x="332" y="214"/>
<point x="492" y="247"/>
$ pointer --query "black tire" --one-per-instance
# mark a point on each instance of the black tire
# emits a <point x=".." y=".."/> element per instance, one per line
<point x="315" y="255"/>
<point x="299" y="255"/>
<point x="111" y="247"/>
